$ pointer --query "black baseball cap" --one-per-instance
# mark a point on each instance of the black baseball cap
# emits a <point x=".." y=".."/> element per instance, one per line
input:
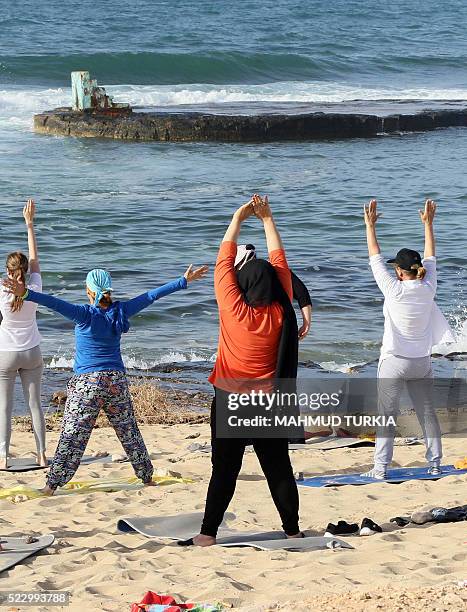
<point x="407" y="259"/>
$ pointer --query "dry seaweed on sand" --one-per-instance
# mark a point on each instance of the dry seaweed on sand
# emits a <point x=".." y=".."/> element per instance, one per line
<point x="152" y="405"/>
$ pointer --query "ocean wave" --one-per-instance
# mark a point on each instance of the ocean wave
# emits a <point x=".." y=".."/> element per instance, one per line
<point x="169" y="68"/>
<point x="323" y="63"/>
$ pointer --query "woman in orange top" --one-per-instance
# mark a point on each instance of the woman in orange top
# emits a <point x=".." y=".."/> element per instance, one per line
<point x="258" y="341"/>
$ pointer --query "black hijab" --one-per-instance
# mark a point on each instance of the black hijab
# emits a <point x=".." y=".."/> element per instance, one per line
<point x="261" y="286"/>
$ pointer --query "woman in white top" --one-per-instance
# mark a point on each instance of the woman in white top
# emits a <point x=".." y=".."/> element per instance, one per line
<point x="413" y="325"/>
<point x="20" y="351"/>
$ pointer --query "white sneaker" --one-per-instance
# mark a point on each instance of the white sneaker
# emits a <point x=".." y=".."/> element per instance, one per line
<point x="376" y="474"/>
<point x="434" y="470"/>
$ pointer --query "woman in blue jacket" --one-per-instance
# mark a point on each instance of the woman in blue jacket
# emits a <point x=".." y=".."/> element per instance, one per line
<point x="99" y="380"/>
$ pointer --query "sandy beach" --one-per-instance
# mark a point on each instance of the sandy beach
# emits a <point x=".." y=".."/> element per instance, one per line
<point x="107" y="570"/>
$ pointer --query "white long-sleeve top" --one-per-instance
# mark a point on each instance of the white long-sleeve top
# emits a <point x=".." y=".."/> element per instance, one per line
<point x="413" y="322"/>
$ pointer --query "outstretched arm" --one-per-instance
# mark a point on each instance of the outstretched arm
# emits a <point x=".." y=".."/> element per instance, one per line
<point x="29" y="211"/>
<point x="371" y="217"/>
<point x="144" y="300"/>
<point x="427" y="217"/>
<point x="78" y="314"/>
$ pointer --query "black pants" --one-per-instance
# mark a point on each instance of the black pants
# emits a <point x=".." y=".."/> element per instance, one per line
<point x="227" y="457"/>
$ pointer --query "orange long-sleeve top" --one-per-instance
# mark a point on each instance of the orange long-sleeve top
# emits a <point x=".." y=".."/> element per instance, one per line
<point x="248" y="336"/>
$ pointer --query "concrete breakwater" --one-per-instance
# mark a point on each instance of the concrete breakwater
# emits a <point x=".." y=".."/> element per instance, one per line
<point x="204" y="127"/>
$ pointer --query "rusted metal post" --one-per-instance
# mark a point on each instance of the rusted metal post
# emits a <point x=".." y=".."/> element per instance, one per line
<point x="88" y="96"/>
<point x="81" y="90"/>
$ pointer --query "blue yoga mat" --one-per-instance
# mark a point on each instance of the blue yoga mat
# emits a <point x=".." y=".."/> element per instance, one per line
<point x="395" y="475"/>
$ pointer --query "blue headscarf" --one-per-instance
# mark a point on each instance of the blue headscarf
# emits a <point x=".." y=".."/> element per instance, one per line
<point x="99" y="282"/>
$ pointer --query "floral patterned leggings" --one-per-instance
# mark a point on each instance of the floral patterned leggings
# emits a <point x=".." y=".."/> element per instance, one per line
<point x="87" y="394"/>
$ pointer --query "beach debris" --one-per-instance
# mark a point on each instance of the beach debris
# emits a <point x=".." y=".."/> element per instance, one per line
<point x="197" y="446"/>
<point x="87" y="96"/>
<point x="164" y="472"/>
<point x="59" y="398"/>
<point x="99" y="453"/>
<point x="193" y="436"/>
<point x="119" y="458"/>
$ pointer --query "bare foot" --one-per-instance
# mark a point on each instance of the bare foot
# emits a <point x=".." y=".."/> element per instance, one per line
<point x="42" y="460"/>
<point x="204" y="540"/>
<point x="47" y="491"/>
<point x="151" y="483"/>
<point x="300" y="534"/>
<point x="3" y="463"/>
<point x="318" y="434"/>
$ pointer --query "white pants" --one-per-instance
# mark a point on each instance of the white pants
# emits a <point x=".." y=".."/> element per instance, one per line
<point x="414" y="374"/>
<point x="29" y="365"/>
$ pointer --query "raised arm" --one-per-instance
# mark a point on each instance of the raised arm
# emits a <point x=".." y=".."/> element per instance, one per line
<point x="387" y="283"/>
<point x="427" y="217"/>
<point x="228" y="294"/>
<point x="77" y="313"/>
<point x="29" y="211"/>
<point x="239" y="216"/>
<point x="276" y="250"/>
<point x="144" y="300"/>
<point x="263" y="212"/>
<point x="371" y="217"/>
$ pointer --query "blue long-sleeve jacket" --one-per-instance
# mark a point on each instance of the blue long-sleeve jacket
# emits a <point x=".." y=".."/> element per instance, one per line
<point x="98" y="330"/>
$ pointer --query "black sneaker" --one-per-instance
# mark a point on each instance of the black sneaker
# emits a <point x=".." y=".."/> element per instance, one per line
<point x="369" y="527"/>
<point x="330" y="530"/>
<point x="401" y="521"/>
<point x="342" y="528"/>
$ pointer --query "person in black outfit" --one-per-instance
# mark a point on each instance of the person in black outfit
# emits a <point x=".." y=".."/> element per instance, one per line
<point x="266" y="345"/>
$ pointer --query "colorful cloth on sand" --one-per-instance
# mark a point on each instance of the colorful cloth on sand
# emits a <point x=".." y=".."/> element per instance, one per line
<point x="152" y="602"/>
<point x="461" y="464"/>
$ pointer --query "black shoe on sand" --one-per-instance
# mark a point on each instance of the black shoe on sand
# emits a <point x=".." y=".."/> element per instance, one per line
<point x="401" y="521"/>
<point x="342" y="528"/>
<point x="369" y="527"/>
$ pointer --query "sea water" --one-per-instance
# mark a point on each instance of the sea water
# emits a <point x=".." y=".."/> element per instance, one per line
<point x="146" y="211"/>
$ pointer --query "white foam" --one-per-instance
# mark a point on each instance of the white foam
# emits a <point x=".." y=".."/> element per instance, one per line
<point x="460" y="330"/>
<point x="343" y="368"/>
<point x="17" y="105"/>
<point x="293" y="91"/>
<point x="60" y="363"/>
<point x="136" y="363"/>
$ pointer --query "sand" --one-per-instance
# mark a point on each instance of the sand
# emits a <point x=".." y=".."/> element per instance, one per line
<point x="413" y="568"/>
